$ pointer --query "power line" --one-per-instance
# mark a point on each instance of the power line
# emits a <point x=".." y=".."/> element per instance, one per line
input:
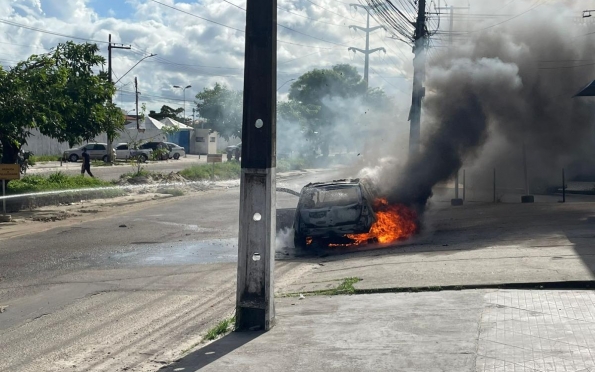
<point x="49" y="32"/>
<point x="199" y="17"/>
<point x="538" y="4"/>
<point x="330" y="11"/>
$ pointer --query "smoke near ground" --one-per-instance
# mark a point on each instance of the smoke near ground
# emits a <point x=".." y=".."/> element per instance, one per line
<point x="501" y="88"/>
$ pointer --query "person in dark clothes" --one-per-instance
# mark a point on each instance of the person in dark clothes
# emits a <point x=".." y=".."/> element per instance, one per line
<point x="86" y="163"/>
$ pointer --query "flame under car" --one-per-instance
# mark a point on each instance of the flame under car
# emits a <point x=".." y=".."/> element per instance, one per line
<point x="332" y="210"/>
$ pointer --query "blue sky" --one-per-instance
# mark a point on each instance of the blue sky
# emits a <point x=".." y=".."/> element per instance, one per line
<point x="112" y="8"/>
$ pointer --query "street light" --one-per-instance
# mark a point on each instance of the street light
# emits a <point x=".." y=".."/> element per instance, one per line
<point x="136" y="64"/>
<point x="284" y="84"/>
<point x="186" y="87"/>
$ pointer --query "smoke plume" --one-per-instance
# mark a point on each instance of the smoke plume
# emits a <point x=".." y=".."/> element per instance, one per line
<point x="503" y="88"/>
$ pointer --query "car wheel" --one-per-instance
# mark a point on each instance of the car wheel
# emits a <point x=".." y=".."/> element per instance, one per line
<point x="176" y="156"/>
<point x="299" y="241"/>
<point x="73" y="158"/>
<point x="143" y="158"/>
<point x="105" y="158"/>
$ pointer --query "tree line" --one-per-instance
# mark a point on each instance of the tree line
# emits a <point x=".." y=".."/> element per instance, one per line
<point x="66" y="95"/>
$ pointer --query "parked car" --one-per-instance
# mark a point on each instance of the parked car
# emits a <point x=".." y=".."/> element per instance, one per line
<point x="95" y="151"/>
<point x="155" y="147"/>
<point x="175" y="151"/>
<point x="125" y="151"/>
<point x="329" y="210"/>
<point x="234" y="150"/>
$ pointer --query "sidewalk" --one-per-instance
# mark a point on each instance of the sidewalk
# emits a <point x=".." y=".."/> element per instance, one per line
<point x="477" y="330"/>
<point x="431" y="327"/>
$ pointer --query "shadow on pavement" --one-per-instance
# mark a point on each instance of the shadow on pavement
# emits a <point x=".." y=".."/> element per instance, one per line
<point x="212" y="352"/>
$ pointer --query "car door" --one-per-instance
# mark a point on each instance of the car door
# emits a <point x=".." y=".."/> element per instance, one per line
<point x="122" y="151"/>
<point x="98" y="151"/>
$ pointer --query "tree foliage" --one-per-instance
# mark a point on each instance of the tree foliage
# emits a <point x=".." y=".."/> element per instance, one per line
<point x="61" y="94"/>
<point x="222" y="108"/>
<point x="168" y="112"/>
<point x="333" y="92"/>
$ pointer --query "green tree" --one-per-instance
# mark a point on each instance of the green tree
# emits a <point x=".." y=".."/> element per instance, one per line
<point x="168" y="112"/>
<point x="222" y="108"/>
<point x="60" y="93"/>
<point x="320" y="89"/>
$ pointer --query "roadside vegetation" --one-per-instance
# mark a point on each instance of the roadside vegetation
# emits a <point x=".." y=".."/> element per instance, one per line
<point x="43" y="158"/>
<point x="55" y="181"/>
<point x="220" y="329"/>
<point x="223" y="171"/>
<point x="344" y="288"/>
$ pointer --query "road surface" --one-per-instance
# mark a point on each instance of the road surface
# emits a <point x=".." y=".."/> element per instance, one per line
<point x="124" y="292"/>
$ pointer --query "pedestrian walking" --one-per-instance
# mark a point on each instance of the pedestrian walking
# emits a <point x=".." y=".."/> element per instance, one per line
<point x="86" y="164"/>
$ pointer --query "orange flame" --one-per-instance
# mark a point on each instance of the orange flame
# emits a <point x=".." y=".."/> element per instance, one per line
<point x="393" y="222"/>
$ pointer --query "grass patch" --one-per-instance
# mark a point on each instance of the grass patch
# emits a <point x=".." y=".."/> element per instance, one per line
<point x="172" y="192"/>
<point x="55" y="181"/>
<point x="220" y="329"/>
<point x="43" y="158"/>
<point x="344" y="288"/>
<point x="139" y="173"/>
<point x="223" y="171"/>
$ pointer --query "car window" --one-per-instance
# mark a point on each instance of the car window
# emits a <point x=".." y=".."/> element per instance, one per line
<point x="99" y="147"/>
<point x="122" y="147"/>
<point x="328" y="197"/>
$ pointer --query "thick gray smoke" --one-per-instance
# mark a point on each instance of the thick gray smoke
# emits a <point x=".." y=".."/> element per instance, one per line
<point x="502" y="89"/>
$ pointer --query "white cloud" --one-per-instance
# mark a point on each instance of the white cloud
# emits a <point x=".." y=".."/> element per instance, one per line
<point x="192" y="51"/>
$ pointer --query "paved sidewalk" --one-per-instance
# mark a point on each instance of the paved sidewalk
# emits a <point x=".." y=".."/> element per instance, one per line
<point x="475" y="330"/>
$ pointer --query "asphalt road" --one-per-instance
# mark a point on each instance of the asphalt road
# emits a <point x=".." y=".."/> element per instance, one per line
<point x="126" y="292"/>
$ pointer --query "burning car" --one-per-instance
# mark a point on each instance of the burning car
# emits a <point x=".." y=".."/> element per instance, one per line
<point x="330" y="210"/>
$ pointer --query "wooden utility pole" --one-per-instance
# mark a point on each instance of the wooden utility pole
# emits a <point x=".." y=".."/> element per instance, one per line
<point x="136" y="99"/>
<point x="419" y="76"/>
<point x="111" y="46"/>
<point x="255" y="308"/>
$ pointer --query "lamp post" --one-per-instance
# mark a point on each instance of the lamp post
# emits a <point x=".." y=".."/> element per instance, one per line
<point x="184" y="89"/>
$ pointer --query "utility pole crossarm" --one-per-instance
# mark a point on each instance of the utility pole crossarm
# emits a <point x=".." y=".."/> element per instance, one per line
<point x="353" y="49"/>
<point x="369" y="29"/>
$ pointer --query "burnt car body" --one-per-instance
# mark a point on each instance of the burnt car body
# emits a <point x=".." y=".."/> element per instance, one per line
<point x="330" y="210"/>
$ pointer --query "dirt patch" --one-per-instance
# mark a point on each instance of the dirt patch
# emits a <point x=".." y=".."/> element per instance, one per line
<point x="153" y="178"/>
<point x="88" y="210"/>
<point x="60" y="216"/>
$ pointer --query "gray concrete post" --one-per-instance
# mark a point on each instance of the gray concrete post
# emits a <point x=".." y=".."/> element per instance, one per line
<point x="255" y="309"/>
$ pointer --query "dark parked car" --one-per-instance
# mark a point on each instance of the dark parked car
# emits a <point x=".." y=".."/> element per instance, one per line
<point x="155" y="146"/>
<point x="234" y="151"/>
<point x="332" y="210"/>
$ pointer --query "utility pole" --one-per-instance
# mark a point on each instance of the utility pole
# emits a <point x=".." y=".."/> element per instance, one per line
<point x="136" y="97"/>
<point x="255" y="307"/>
<point x="419" y="76"/>
<point x="366" y="52"/>
<point x="111" y="46"/>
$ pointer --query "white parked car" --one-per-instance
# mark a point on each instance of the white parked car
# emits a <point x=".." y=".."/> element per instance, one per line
<point x="124" y="151"/>
<point x="175" y="151"/>
<point x="95" y="151"/>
